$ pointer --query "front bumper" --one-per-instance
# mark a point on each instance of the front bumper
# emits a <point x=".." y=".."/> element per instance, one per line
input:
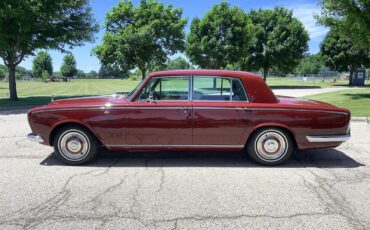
<point x="35" y="138"/>
<point x="329" y="138"/>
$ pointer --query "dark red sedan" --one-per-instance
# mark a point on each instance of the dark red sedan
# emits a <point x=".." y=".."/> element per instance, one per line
<point x="190" y="110"/>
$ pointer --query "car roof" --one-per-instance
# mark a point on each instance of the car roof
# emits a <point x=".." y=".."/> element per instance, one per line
<point x="204" y="72"/>
<point x="256" y="88"/>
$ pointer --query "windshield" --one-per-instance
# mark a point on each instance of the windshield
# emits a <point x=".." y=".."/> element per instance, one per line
<point x="136" y="88"/>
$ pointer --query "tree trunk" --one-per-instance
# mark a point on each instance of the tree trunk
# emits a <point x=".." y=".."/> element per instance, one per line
<point x="143" y="73"/>
<point x="350" y="77"/>
<point x="265" y="73"/>
<point x="12" y="83"/>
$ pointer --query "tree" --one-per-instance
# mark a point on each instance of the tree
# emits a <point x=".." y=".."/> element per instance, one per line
<point x="45" y="75"/>
<point x="310" y="64"/>
<point x="220" y="38"/>
<point x="341" y="54"/>
<point x="68" y="68"/>
<point x="26" y="26"/>
<point x="280" y="41"/>
<point x="80" y="73"/>
<point x="92" y="74"/>
<point x="110" y="71"/>
<point x="349" y="17"/>
<point x="141" y="36"/>
<point x="177" y="63"/>
<point x="42" y="62"/>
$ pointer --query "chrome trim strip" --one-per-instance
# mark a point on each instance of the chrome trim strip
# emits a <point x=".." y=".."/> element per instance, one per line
<point x="195" y="107"/>
<point x="219" y="108"/>
<point x="35" y="138"/>
<point x="299" y="110"/>
<point x="69" y="109"/>
<point x="197" y="146"/>
<point x="329" y="138"/>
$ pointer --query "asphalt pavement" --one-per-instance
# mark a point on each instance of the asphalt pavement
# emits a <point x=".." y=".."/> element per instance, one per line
<point x="317" y="189"/>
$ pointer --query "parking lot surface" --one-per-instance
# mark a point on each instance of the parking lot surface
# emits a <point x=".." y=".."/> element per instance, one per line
<point x="317" y="189"/>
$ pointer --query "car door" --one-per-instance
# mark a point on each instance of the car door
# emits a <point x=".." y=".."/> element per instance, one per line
<point x="161" y="115"/>
<point x="220" y="116"/>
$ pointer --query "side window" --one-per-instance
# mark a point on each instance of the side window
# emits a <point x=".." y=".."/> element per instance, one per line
<point x="211" y="88"/>
<point x="238" y="91"/>
<point x="167" y="88"/>
<point x="214" y="88"/>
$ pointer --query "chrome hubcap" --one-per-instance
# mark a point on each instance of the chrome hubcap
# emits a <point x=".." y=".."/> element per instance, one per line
<point x="74" y="145"/>
<point x="271" y="145"/>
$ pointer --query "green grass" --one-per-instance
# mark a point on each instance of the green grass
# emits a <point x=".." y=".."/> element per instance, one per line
<point x="39" y="93"/>
<point x="288" y="83"/>
<point x="356" y="100"/>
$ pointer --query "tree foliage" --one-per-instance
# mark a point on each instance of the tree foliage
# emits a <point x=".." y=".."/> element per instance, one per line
<point x="178" y="63"/>
<point x="171" y="64"/>
<point x="80" y="73"/>
<point x="220" y="38"/>
<point x="341" y="54"/>
<point x="68" y="67"/>
<point x="111" y="71"/>
<point x="280" y="41"/>
<point x="42" y="62"/>
<point x="349" y="17"/>
<point x="26" y="26"/>
<point x="141" y="36"/>
<point x="310" y="64"/>
<point x="92" y="74"/>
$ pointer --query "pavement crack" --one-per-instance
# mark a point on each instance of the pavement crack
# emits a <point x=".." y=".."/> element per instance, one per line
<point x="333" y="201"/>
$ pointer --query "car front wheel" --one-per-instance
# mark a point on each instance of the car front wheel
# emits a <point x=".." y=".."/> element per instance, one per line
<point x="270" y="146"/>
<point x="75" y="145"/>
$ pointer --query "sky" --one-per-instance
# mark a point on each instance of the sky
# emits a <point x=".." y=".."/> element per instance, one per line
<point x="302" y="9"/>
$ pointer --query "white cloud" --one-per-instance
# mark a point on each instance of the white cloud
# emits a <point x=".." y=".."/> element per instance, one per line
<point x="305" y="13"/>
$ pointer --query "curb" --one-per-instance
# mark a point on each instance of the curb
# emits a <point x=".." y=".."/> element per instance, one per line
<point x="361" y="119"/>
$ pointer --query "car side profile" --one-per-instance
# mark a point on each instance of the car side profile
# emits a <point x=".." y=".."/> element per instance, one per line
<point x="213" y="110"/>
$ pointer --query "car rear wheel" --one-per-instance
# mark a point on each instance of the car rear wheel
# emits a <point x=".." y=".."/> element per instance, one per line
<point x="270" y="146"/>
<point x="75" y="145"/>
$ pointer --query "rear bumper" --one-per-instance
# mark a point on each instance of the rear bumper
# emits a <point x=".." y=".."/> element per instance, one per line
<point x="35" y="138"/>
<point x="329" y="138"/>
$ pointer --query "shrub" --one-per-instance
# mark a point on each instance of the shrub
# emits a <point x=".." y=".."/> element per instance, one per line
<point x="133" y="78"/>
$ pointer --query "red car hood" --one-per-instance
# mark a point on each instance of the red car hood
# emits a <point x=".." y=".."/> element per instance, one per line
<point x="302" y="103"/>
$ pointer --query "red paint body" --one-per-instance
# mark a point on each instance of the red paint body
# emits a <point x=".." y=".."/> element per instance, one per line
<point x="129" y="124"/>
